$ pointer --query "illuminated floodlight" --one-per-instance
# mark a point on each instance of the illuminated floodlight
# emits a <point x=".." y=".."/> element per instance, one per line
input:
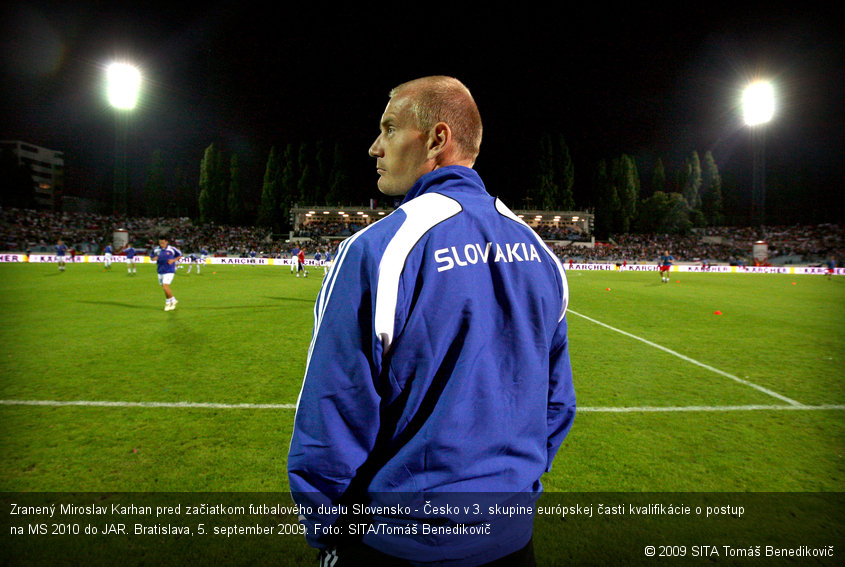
<point x="758" y="103"/>
<point x="124" y="82"/>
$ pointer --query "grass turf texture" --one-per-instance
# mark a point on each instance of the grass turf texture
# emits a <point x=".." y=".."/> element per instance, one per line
<point x="240" y="334"/>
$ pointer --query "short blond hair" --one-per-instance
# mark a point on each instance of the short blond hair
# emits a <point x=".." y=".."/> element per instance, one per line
<point x="445" y="99"/>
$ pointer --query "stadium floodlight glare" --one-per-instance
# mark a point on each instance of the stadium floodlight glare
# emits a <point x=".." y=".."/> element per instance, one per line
<point x="124" y="82"/>
<point x="758" y="108"/>
<point x="758" y="103"/>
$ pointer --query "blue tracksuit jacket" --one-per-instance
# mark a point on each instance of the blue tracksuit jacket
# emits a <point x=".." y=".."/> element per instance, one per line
<point x="438" y="374"/>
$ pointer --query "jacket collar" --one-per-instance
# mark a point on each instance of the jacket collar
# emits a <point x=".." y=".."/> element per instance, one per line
<point x="442" y="175"/>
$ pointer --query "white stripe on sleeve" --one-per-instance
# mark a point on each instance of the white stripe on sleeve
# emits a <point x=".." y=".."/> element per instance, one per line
<point x="423" y="213"/>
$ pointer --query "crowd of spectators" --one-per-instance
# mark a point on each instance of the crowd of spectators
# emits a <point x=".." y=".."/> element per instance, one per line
<point x="317" y="228"/>
<point x="25" y="230"/>
<point x="321" y="229"/>
<point x="560" y="233"/>
<point x="727" y="245"/>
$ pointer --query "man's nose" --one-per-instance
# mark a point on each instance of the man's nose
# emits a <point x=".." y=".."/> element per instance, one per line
<point x="375" y="149"/>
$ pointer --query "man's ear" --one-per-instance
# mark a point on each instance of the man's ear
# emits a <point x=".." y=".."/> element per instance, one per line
<point x="439" y="140"/>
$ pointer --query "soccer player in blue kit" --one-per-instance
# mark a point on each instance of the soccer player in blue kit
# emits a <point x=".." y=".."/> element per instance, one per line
<point x="130" y="259"/>
<point x="166" y="257"/>
<point x="438" y="377"/>
<point x="61" y="250"/>
<point x="203" y="256"/>
<point x="107" y="253"/>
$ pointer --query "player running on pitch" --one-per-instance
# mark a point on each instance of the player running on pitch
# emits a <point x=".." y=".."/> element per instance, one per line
<point x="61" y="250"/>
<point x="203" y="256"/>
<point x="300" y="263"/>
<point x="130" y="259"/>
<point x="166" y="257"/>
<point x="107" y="254"/>
<point x="193" y="261"/>
<point x="665" y="264"/>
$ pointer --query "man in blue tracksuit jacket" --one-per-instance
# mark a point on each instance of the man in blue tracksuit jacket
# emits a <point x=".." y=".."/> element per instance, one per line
<point x="438" y="386"/>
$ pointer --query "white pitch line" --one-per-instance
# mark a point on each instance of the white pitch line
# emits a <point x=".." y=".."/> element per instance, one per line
<point x="693" y="361"/>
<point x="202" y="405"/>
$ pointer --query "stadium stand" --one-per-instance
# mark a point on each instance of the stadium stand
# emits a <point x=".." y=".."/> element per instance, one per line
<point x="24" y="230"/>
<point x="727" y="245"/>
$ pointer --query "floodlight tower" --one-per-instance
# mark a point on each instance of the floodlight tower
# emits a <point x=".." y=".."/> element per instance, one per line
<point x="758" y="107"/>
<point x="124" y="82"/>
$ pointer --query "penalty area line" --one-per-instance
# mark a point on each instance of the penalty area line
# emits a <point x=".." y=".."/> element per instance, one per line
<point x="203" y="405"/>
<point x="737" y="379"/>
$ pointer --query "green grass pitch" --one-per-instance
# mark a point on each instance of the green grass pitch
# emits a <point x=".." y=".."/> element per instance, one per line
<point x="673" y="397"/>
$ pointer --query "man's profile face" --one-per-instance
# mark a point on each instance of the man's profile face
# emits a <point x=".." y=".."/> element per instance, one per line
<point x="400" y="149"/>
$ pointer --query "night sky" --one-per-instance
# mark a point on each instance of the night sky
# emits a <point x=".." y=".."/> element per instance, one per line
<point x="646" y="82"/>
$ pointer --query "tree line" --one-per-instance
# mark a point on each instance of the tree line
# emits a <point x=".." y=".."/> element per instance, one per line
<point x="671" y="206"/>
<point x="310" y="174"/>
<point x="316" y="174"/>
<point x="668" y="198"/>
<point x="616" y="194"/>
